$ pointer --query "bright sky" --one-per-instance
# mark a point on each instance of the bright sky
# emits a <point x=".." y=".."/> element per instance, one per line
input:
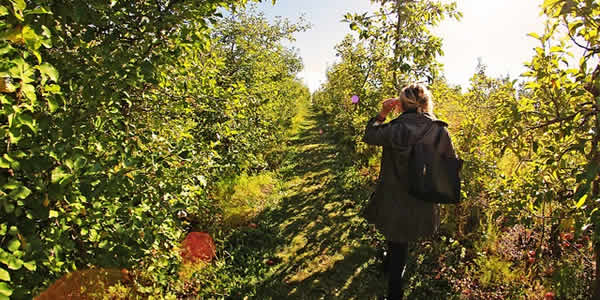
<point x="493" y="30"/>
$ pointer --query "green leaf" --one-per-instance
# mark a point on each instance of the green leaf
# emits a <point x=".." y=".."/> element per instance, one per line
<point x="3" y="229"/>
<point x="58" y="174"/>
<point x="12" y="184"/>
<point x="5" y="290"/>
<point x="53" y="89"/>
<point x="581" y="201"/>
<point x="19" y="4"/>
<point x="4" y="163"/>
<point x="30" y="265"/>
<point x="14" y="245"/>
<point x="53" y="103"/>
<point x="32" y="39"/>
<point x="17" y="155"/>
<point x="22" y="70"/>
<point x="4" y="275"/>
<point x="6" y="49"/>
<point x="47" y="42"/>
<point x="534" y="35"/>
<point x="3" y="11"/>
<point x="38" y="11"/>
<point x="94" y="237"/>
<point x="15" y="135"/>
<point x="27" y="120"/>
<point x="53" y="214"/>
<point x="80" y="162"/>
<point x="14" y="263"/>
<point x="21" y="192"/>
<point x="29" y="92"/>
<point x="574" y="25"/>
<point x="48" y="70"/>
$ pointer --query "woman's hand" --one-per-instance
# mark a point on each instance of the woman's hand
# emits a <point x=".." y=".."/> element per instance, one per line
<point x="389" y="105"/>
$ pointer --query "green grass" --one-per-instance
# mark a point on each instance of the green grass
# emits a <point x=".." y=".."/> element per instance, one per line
<point x="322" y="250"/>
<point x="244" y="197"/>
<point x="310" y="242"/>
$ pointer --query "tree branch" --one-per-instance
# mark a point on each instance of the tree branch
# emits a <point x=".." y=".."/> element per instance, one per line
<point x="558" y="120"/>
<point x="593" y="50"/>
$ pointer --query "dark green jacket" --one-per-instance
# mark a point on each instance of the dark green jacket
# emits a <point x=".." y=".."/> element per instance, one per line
<point x="396" y="214"/>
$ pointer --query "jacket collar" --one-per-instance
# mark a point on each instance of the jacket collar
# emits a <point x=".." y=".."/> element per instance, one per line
<point x="413" y="114"/>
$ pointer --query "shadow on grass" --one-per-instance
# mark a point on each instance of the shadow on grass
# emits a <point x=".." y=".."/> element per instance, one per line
<point x="320" y="248"/>
<point x="317" y="244"/>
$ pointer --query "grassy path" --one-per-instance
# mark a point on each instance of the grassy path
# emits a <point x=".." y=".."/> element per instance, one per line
<point x="320" y="249"/>
<point x="312" y="243"/>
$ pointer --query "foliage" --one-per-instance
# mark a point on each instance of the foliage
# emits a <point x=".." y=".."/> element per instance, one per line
<point x="555" y="124"/>
<point x="403" y="27"/>
<point x="127" y="123"/>
<point x="531" y="148"/>
<point x="117" y="116"/>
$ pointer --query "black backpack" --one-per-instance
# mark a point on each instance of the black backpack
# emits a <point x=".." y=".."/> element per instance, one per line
<point x="433" y="177"/>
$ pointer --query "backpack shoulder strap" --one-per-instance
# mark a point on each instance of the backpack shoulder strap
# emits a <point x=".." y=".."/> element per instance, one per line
<point x="441" y="123"/>
<point x="425" y="132"/>
<point x="438" y="137"/>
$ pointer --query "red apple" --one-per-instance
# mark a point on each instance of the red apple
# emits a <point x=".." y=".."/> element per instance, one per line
<point x="531" y="260"/>
<point x="531" y="253"/>
<point x="252" y="225"/>
<point x="125" y="275"/>
<point x="549" y="296"/>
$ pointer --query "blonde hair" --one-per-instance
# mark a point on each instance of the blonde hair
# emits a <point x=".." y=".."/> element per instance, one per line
<point x="417" y="96"/>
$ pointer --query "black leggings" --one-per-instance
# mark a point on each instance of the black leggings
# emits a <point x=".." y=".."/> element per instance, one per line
<point x="397" y="255"/>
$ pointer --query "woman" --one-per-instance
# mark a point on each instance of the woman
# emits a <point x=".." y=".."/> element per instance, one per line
<point x="400" y="217"/>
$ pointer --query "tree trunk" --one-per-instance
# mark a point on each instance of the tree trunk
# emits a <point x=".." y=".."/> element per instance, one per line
<point x="595" y="155"/>
<point x="596" y="293"/>
<point x="595" y="192"/>
<point x="554" y="240"/>
<point x="397" y="47"/>
<point x="596" y="284"/>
